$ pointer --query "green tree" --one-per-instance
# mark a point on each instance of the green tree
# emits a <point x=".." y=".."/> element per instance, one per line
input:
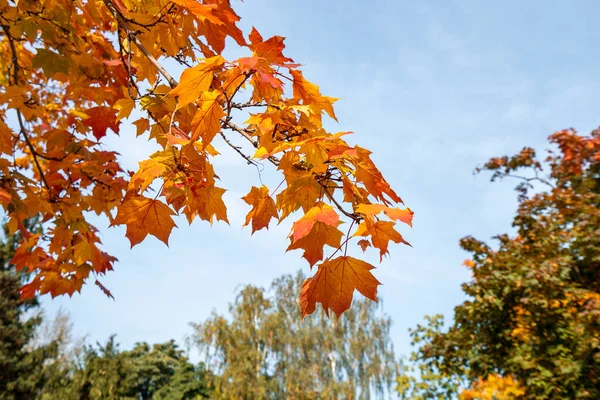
<point x="534" y="307"/>
<point x="266" y="350"/>
<point x="420" y="379"/>
<point x="159" y="372"/>
<point x="22" y="366"/>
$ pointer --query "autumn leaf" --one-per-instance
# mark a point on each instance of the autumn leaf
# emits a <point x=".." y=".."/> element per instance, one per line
<point x="196" y="80"/>
<point x="263" y="208"/>
<point x="363" y="243"/>
<point x="125" y="106"/>
<point x="5" y="197"/>
<point x="381" y="232"/>
<point x="73" y="83"/>
<point x="309" y="93"/>
<point x="156" y="166"/>
<point x="271" y="49"/>
<point x="302" y="193"/>
<point x="206" y="203"/>
<point x="371" y="177"/>
<point x="334" y="283"/>
<point x="207" y="121"/>
<point x="50" y="62"/>
<point x="84" y="251"/>
<point x="404" y="215"/>
<point x="145" y="216"/>
<point x="100" y="119"/>
<point x="321" y="234"/>
<point x="321" y="212"/>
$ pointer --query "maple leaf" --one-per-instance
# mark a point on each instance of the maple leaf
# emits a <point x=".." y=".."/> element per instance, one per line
<point x="100" y="119"/>
<point x="145" y="216"/>
<point x="381" y="232"/>
<point x="152" y="168"/>
<point x="5" y="197"/>
<point x="125" y="106"/>
<point x="334" y="284"/>
<point x="309" y="93"/>
<point x="196" y="80"/>
<point x="50" y="62"/>
<point x="321" y="234"/>
<point x="298" y="196"/>
<point x="321" y="212"/>
<point x="104" y="289"/>
<point x="263" y="208"/>
<point x="84" y="251"/>
<point x="371" y="177"/>
<point x="207" y="203"/>
<point x="363" y="243"/>
<point x="271" y="49"/>
<point x="207" y="121"/>
<point x="202" y="11"/>
<point x="6" y="138"/>
<point x="55" y="165"/>
<point x="404" y="215"/>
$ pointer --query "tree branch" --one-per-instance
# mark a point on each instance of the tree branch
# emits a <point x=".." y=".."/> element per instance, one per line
<point x="131" y="34"/>
<point x="225" y="121"/>
<point x="15" y="71"/>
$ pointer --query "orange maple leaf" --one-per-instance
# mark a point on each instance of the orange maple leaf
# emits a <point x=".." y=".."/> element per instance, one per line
<point x="404" y="215"/>
<point x="5" y="197"/>
<point x="207" y="203"/>
<point x="100" y="119"/>
<point x="364" y="243"/>
<point x="320" y="212"/>
<point x="381" y="232"/>
<point x="320" y="235"/>
<point x="196" y="80"/>
<point x="309" y="93"/>
<point x="145" y="216"/>
<point x="263" y="208"/>
<point x="207" y="121"/>
<point x="270" y="49"/>
<point x="334" y="283"/>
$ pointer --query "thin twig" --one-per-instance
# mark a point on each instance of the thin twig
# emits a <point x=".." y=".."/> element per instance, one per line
<point x="133" y="38"/>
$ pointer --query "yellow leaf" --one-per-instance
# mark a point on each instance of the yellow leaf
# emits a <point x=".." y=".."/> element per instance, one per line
<point x="263" y="208"/>
<point x="196" y="80"/>
<point x="207" y="120"/>
<point x="125" y="106"/>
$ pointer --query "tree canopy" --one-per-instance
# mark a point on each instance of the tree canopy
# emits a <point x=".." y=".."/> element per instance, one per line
<point x="531" y="325"/>
<point x="71" y="72"/>
<point x="266" y="351"/>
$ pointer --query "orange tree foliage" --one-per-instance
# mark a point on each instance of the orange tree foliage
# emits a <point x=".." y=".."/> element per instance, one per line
<point x="533" y="311"/>
<point x="72" y="70"/>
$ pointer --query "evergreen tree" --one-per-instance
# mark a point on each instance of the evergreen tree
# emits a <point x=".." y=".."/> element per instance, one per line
<point x="158" y="372"/>
<point x="22" y="373"/>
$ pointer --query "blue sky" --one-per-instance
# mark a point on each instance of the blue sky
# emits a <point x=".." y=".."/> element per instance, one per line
<point x="433" y="89"/>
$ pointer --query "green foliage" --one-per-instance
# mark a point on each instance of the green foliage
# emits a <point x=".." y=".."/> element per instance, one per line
<point x="420" y="379"/>
<point x="22" y="372"/>
<point x="266" y="351"/>
<point x="534" y="307"/>
<point x="158" y="372"/>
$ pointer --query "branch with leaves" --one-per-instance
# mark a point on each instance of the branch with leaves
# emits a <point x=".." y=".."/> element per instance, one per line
<point x="98" y="81"/>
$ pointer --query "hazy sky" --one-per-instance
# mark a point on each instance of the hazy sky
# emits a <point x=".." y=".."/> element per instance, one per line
<point x="433" y="89"/>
